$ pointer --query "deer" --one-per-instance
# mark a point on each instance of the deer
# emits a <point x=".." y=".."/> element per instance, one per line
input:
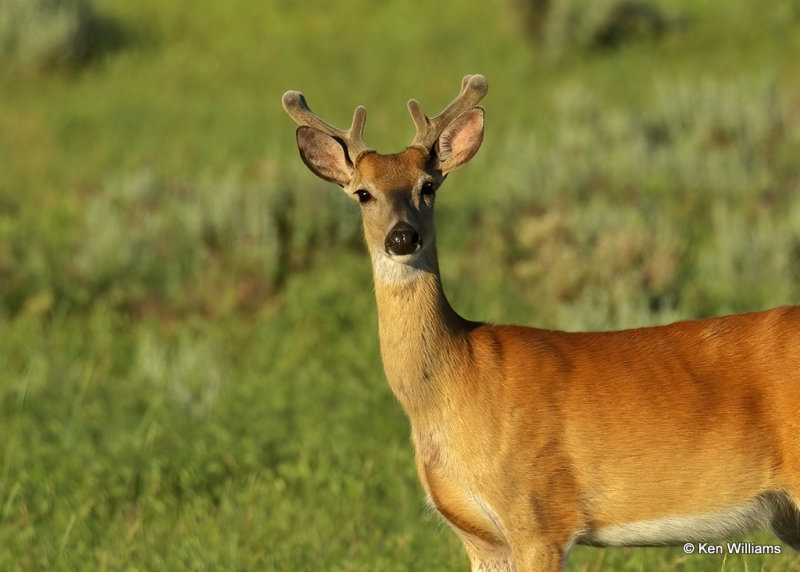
<point x="529" y="441"/>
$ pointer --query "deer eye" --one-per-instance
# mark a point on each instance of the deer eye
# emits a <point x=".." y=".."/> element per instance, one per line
<point x="363" y="196"/>
<point x="427" y="189"/>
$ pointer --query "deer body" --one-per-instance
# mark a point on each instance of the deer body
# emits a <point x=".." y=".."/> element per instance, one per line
<point x="528" y="441"/>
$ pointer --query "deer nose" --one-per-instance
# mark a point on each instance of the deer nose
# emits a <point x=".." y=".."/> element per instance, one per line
<point x="402" y="239"/>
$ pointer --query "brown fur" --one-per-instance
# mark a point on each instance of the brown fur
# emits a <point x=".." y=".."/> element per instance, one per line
<point x="529" y="440"/>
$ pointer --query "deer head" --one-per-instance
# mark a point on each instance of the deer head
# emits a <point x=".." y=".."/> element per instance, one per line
<point x="396" y="192"/>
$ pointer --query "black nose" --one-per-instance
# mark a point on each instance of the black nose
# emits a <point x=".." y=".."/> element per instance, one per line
<point x="402" y="239"/>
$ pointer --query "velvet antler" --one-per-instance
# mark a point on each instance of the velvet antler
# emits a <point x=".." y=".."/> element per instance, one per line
<point x="295" y="105"/>
<point x="473" y="88"/>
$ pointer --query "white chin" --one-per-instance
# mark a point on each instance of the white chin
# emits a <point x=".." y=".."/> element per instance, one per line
<point x="404" y="258"/>
<point x="394" y="269"/>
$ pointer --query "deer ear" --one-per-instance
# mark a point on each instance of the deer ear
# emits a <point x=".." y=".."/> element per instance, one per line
<point x="326" y="156"/>
<point x="460" y="140"/>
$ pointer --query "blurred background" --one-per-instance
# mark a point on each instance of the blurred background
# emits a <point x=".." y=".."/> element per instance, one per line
<point x="189" y="366"/>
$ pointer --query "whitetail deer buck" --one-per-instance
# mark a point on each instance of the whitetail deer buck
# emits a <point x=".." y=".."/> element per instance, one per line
<point x="528" y="440"/>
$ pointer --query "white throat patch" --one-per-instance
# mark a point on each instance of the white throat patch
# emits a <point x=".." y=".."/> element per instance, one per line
<point x="389" y="269"/>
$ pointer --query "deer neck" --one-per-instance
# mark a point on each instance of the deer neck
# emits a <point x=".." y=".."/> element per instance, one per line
<point x="422" y="338"/>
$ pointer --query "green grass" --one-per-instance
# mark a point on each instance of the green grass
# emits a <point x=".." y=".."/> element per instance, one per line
<point x="188" y="335"/>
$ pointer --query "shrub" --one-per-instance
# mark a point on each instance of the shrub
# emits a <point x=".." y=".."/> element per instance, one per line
<point x="562" y="26"/>
<point x="39" y="35"/>
<point x="686" y="207"/>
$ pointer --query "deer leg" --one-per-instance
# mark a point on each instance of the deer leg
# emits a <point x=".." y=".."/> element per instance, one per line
<point x="541" y="558"/>
<point x="786" y="519"/>
<point x="485" y="557"/>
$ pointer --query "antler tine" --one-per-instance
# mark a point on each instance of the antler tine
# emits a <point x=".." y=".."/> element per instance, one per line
<point x="295" y="105"/>
<point x="473" y="88"/>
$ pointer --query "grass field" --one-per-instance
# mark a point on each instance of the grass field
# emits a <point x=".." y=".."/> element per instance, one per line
<point x="189" y="366"/>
